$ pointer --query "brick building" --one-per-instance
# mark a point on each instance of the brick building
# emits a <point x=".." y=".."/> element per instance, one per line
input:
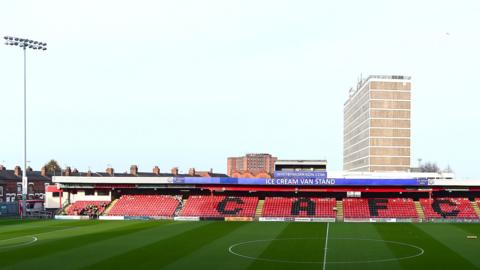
<point x="252" y="164"/>
<point x="11" y="183"/>
<point x="11" y="180"/>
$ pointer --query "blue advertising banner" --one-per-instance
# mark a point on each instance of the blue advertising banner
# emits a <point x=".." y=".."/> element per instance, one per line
<point x="302" y="181"/>
<point x="300" y="174"/>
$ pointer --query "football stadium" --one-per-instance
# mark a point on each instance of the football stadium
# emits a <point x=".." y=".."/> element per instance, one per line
<point x="185" y="83"/>
<point x="296" y="220"/>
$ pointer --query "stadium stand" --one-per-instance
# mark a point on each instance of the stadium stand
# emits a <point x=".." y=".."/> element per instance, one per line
<point x="219" y="206"/>
<point x="299" y="207"/>
<point x="87" y="208"/>
<point x="379" y="208"/>
<point x="145" y="205"/>
<point x="475" y="205"/>
<point x="449" y="208"/>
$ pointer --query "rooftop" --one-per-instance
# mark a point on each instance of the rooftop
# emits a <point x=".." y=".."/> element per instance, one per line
<point x="363" y="81"/>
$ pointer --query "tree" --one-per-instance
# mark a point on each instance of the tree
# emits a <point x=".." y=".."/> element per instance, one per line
<point x="429" y="167"/>
<point x="53" y="167"/>
<point x="448" y="169"/>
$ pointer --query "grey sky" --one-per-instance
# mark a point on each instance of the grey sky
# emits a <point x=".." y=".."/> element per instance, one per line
<point x="188" y="83"/>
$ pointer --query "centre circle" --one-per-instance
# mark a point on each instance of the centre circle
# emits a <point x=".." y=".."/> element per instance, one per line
<point x="339" y="250"/>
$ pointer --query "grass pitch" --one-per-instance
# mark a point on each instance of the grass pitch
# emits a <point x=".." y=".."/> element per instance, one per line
<point x="136" y="245"/>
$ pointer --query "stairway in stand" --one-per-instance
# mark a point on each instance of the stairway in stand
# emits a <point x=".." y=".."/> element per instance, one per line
<point x="421" y="214"/>
<point x="180" y="207"/>
<point x="64" y="211"/>
<point x="340" y="211"/>
<point x="476" y="208"/>
<point x="258" y="211"/>
<point x="109" y="207"/>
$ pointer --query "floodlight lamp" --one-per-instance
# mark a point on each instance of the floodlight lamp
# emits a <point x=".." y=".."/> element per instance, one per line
<point x="44" y="49"/>
<point x="5" y="37"/>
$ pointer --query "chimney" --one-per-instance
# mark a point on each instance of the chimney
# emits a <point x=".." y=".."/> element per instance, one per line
<point x="133" y="170"/>
<point x="18" y="171"/>
<point x="211" y="170"/>
<point x="67" y="171"/>
<point x="175" y="171"/>
<point x="109" y="170"/>
<point x="156" y="170"/>
<point x="89" y="173"/>
<point x="43" y="171"/>
<point x="191" y="171"/>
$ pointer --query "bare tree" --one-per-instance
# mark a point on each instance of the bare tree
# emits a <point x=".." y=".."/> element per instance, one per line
<point x="448" y="169"/>
<point x="429" y="167"/>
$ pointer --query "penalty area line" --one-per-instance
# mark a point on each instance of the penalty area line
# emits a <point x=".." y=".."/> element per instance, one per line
<point x="326" y="247"/>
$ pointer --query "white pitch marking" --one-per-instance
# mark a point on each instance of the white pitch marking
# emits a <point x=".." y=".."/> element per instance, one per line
<point x="326" y="247"/>
<point x="34" y="239"/>
<point x="420" y="253"/>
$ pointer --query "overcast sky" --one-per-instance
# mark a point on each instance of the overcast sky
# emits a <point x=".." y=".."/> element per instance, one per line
<point x="188" y="83"/>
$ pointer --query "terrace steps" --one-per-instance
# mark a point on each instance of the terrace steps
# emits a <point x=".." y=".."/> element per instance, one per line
<point x="259" y="210"/>
<point x="65" y="209"/>
<point x="180" y="207"/>
<point x="339" y="210"/>
<point x="418" y="206"/>
<point x="476" y="208"/>
<point x="109" y="207"/>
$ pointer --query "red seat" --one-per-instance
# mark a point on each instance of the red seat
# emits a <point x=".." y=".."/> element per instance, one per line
<point x="282" y="207"/>
<point x="212" y="206"/>
<point x="78" y="207"/>
<point x="145" y="205"/>
<point x="451" y="207"/>
<point x="394" y="208"/>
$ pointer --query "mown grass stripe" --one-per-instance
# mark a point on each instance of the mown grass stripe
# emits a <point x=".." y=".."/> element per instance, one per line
<point x="16" y="221"/>
<point x="437" y="255"/>
<point x="215" y="255"/>
<point x="28" y="229"/>
<point x="22" y="225"/>
<point x="388" y="232"/>
<point x="276" y="250"/>
<point x="166" y="251"/>
<point x="98" y="251"/>
<point x="343" y="247"/>
<point x="67" y="240"/>
<point x="454" y="237"/>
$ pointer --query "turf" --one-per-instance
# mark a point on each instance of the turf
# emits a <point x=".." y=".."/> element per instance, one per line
<point x="205" y="245"/>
